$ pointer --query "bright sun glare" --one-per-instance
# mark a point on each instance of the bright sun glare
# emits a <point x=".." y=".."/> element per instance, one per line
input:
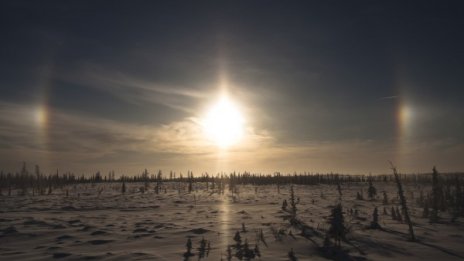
<point x="224" y="124"/>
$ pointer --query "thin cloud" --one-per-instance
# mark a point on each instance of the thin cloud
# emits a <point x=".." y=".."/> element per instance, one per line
<point x="134" y="89"/>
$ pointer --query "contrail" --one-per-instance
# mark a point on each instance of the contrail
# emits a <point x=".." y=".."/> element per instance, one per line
<point x="389" y="97"/>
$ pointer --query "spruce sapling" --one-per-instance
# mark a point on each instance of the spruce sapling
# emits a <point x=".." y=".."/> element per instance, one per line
<point x="371" y="191"/>
<point x="337" y="228"/>
<point x="385" y="198"/>
<point x="189" y="249"/>
<point x="293" y="203"/>
<point x="291" y="255"/>
<point x="403" y="204"/>
<point x="393" y="215"/>
<point x="375" y="219"/>
<point x="436" y="195"/>
<point x="238" y="239"/>
<point x="284" y="205"/>
<point x="425" y="211"/>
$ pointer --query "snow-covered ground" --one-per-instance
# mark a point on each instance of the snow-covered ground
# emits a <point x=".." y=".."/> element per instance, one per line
<point x="99" y="222"/>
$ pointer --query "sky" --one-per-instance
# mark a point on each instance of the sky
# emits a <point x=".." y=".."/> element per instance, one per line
<point x="323" y="86"/>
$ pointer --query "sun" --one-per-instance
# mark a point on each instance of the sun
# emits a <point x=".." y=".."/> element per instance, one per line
<point x="224" y="123"/>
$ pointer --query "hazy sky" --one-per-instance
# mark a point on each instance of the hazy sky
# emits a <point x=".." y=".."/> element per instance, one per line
<point x="340" y="86"/>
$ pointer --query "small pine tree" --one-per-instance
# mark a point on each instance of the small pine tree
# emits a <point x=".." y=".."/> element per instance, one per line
<point x="202" y="249"/>
<point x="257" y="251"/>
<point x="243" y="228"/>
<point x="190" y="184"/>
<point x="371" y="191"/>
<point x="261" y="237"/>
<point x="337" y="228"/>
<point x="238" y="238"/>
<point x="229" y="253"/>
<point x="385" y="211"/>
<point x="436" y="196"/>
<point x="291" y="255"/>
<point x="420" y="200"/>
<point x="284" y="205"/>
<point x="293" y="203"/>
<point x="359" y="196"/>
<point x="385" y="198"/>
<point x="247" y="252"/>
<point x="327" y="242"/>
<point x="393" y="215"/>
<point x="49" y="187"/>
<point x="425" y="211"/>
<point x="189" y="249"/>
<point x="375" y="219"/>
<point x="399" y="217"/>
<point x="457" y="198"/>
<point x="123" y="189"/>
